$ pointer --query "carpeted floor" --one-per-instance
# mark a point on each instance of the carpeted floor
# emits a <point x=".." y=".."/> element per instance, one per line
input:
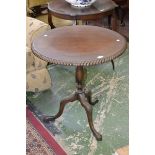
<point x="110" y="115"/>
<point x="35" y="144"/>
<point x="39" y="140"/>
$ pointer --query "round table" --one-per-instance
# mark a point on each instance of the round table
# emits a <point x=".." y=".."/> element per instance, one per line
<point x="99" y="9"/>
<point x="79" y="46"/>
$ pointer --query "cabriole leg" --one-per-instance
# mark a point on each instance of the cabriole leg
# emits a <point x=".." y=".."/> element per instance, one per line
<point x="88" y="109"/>
<point x="62" y="106"/>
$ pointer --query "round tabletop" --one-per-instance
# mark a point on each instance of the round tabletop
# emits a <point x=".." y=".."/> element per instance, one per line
<point x="63" y="8"/>
<point x="79" y="45"/>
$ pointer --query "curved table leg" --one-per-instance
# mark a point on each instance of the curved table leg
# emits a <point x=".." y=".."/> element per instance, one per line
<point x="88" y="109"/>
<point x="89" y="98"/>
<point x="61" y="108"/>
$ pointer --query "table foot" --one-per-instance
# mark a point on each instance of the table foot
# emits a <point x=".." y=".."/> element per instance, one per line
<point x="89" y="98"/>
<point x="88" y="108"/>
<point x="61" y="108"/>
<point x="94" y="102"/>
<point x="46" y="119"/>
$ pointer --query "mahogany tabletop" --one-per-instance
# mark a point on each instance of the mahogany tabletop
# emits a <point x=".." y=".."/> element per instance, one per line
<point x="79" y="45"/>
<point x="63" y="8"/>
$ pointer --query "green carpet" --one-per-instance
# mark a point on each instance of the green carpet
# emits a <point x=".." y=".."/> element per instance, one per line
<point x="110" y="114"/>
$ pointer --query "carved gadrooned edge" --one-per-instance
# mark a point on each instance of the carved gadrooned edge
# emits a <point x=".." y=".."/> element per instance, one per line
<point x="84" y="63"/>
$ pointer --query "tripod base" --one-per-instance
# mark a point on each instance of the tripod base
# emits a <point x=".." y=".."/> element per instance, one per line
<point x="84" y="97"/>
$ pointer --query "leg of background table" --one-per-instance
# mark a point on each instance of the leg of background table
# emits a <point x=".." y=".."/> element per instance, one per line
<point x="109" y="21"/>
<point x="84" y="22"/>
<point x="50" y="20"/>
<point x="75" y="22"/>
<point x="62" y="105"/>
<point x="114" y="21"/>
<point x="122" y="15"/>
<point x="88" y="109"/>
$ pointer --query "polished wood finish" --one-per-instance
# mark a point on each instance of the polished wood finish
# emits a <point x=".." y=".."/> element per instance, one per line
<point x="80" y="46"/>
<point x="98" y="10"/>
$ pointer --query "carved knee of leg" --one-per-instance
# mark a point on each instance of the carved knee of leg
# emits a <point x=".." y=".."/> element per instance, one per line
<point x="88" y="107"/>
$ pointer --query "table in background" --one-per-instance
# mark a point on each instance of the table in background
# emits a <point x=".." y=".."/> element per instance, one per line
<point x="98" y="10"/>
